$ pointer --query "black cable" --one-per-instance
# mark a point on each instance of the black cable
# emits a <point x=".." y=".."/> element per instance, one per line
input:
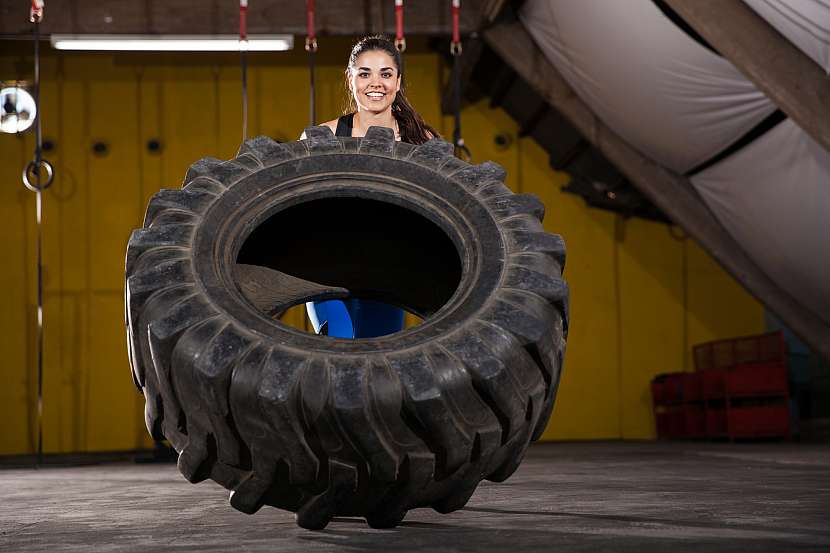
<point x="311" y="48"/>
<point x="243" y="54"/>
<point x="34" y="171"/>
<point x="312" y="116"/>
<point x="456" y="97"/>
<point x="38" y="248"/>
<point x="38" y="136"/>
<point x="461" y="149"/>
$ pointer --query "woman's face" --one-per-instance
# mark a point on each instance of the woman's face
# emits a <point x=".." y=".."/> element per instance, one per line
<point x="374" y="81"/>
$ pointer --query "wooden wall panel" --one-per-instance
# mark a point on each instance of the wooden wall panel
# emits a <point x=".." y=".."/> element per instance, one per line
<point x="113" y="410"/>
<point x="17" y="313"/>
<point x="113" y="176"/>
<point x="67" y="259"/>
<point x="187" y="120"/>
<point x="651" y="322"/>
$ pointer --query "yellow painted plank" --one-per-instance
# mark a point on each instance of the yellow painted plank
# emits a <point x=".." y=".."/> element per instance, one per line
<point x="114" y="409"/>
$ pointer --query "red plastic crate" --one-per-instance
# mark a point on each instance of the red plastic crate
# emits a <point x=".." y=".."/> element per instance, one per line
<point x="673" y="388"/>
<point x="667" y="388"/>
<point x="692" y="386"/>
<point x="657" y="392"/>
<point x="764" y="349"/>
<point x="668" y="424"/>
<point x="759" y="421"/>
<point x="757" y="381"/>
<point x="681" y="422"/>
<point x="739" y="390"/>
<point x="694" y="422"/>
<point x="663" y="425"/>
<point x="713" y="384"/>
<point x="716" y="422"/>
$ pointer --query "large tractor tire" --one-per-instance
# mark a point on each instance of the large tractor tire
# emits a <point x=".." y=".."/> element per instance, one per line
<point x="323" y="426"/>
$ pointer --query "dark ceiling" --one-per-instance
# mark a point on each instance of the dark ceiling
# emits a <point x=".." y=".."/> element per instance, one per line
<point x="340" y="17"/>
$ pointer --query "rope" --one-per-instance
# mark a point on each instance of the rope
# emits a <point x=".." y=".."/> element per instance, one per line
<point x="461" y="149"/>
<point x="311" y="48"/>
<point x="243" y="60"/>
<point x="32" y="179"/>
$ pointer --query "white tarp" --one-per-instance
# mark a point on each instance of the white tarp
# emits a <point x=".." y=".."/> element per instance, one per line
<point x="806" y="23"/>
<point x="773" y="196"/>
<point x="681" y="104"/>
<point x="670" y="97"/>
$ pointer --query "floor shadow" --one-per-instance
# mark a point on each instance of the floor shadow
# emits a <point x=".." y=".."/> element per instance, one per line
<point x="652" y="520"/>
<point x="533" y="537"/>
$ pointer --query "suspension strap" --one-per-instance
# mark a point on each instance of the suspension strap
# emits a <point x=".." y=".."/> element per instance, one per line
<point x="311" y="48"/>
<point x="37" y="177"/>
<point x="455" y="44"/>
<point x="400" y="39"/>
<point x="461" y="149"/>
<point x="36" y="11"/>
<point x="243" y="61"/>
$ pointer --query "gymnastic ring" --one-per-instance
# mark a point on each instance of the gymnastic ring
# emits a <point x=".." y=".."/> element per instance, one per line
<point x="33" y="168"/>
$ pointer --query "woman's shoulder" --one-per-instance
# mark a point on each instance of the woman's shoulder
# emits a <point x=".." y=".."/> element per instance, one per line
<point x="330" y="124"/>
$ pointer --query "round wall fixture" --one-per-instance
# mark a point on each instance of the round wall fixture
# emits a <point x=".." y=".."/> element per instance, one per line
<point x="100" y="148"/>
<point x="502" y="140"/>
<point x="154" y="146"/>
<point x="17" y="109"/>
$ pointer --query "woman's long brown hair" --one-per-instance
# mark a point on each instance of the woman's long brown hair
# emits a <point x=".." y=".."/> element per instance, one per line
<point x="412" y="127"/>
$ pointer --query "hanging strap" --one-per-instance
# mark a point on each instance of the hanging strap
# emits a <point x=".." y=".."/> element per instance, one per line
<point x="400" y="39"/>
<point x="455" y="44"/>
<point x="461" y="149"/>
<point x="37" y="177"/>
<point x="243" y="61"/>
<point x="36" y="11"/>
<point x="311" y="48"/>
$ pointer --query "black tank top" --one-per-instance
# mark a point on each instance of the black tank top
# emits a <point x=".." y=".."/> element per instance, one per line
<point x="344" y="125"/>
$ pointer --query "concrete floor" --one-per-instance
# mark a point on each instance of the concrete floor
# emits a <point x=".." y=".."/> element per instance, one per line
<point x="565" y="497"/>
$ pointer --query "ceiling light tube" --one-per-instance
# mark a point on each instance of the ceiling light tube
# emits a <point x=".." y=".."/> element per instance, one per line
<point x="172" y="43"/>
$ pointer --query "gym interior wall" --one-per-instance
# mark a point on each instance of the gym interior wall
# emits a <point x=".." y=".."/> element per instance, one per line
<point x="123" y="126"/>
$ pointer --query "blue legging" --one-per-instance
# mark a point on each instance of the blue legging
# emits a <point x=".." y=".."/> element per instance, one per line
<point x="355" y="318"/>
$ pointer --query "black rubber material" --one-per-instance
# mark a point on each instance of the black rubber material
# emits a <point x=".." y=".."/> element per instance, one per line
<point x="322" y="426"/>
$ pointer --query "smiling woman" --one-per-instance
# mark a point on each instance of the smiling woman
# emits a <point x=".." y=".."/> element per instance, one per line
<point x="376" y="99"/>
<point x="376" y="94"/>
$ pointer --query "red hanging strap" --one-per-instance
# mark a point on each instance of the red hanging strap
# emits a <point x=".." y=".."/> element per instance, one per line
<point x="243" y="19"/>
<point x="400" y="40"/>
<point x="36" y="12"/>
<point x="455" y="45"/>
<point x="311" y="34"/>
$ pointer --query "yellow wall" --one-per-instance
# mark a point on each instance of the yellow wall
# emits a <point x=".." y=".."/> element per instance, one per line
<point x="640" y="297"/>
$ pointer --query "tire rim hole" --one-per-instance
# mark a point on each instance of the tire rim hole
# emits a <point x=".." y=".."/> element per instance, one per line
<point x="376" y="250"/>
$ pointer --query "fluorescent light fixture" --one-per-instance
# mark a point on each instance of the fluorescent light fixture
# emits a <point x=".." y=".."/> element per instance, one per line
<point x="173" y="43"/>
